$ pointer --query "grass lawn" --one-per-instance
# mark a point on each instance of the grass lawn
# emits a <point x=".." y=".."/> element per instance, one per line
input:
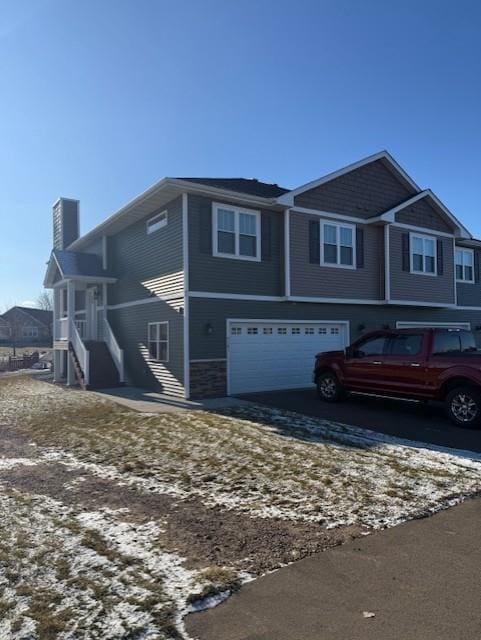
<point x="116" y="523"/>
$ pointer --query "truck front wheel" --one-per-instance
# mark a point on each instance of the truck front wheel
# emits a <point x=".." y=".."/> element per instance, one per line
<point x="329" y="388"/>
<point x="463" y="406"/>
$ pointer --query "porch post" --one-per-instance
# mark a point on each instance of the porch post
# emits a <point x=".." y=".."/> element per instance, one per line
<point x="56" y="313"/>
<point x="57" y="372"/>
<point x="71" y="318"/>
<point x="104" y="311"/>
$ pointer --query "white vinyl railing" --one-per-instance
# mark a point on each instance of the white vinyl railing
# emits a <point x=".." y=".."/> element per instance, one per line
<point x="83" y="356"/>
<point x="62" y="329"/>
<point x="81" y="328"/>
<point x="115" y="351"/>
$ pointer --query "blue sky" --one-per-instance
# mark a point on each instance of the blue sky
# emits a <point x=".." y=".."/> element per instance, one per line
<point x="98" y="100"/>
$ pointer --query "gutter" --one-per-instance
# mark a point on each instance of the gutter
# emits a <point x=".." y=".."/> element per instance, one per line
<point x="184" y="187"/>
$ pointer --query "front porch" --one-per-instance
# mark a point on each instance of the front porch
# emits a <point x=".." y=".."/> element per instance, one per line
<point x="86" y="351"/>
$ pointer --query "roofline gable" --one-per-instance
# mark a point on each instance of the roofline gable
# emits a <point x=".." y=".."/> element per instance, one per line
<point x="389" y="216"/>
<point x="26" y="313"/>
<point x="288" y="198"/>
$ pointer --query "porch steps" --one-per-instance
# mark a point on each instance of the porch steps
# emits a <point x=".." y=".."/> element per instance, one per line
<point x="79" y="376"/>
<point x="103" y="372"/>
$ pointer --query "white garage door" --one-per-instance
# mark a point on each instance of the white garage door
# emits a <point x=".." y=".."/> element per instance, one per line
<point x="448" y="325"/>
<point x="264" y="355"/>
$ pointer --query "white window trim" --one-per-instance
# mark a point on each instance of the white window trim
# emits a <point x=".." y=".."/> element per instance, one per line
<point x="423" y="237"/>
<point x="464" y="250"/>
<point x="237" y="210"/>
<point x="157" y="225"/>
<point x="339" y="225"/>
<point x="167" y="341"/>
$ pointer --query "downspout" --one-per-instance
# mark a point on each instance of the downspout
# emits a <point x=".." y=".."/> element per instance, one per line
<point x="387" y="266"/>
<point x="185" y="259"/>
<point x="287" y="254"/>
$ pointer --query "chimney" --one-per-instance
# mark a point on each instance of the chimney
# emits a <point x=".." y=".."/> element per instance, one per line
<point x="65" y="222"/>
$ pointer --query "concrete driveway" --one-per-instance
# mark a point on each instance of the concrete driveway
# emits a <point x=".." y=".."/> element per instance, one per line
<point x="426" y="423"/>
<point x="420" y="580"/>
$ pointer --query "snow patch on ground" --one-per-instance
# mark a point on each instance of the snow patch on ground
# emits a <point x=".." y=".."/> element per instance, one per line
<point x="107" y="575"/>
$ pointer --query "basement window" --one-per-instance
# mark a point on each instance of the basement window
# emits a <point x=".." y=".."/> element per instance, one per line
<point x="158" y="334"/>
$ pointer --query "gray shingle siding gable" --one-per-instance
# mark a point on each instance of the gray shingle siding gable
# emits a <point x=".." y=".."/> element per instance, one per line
<point x="422" y="214"/>
<point x="365" y="192"/>
<point x="229" y="275"/>
<point x="139" y="259"/>
<point x="417" y="287"/>
<point x="314" y="280"/>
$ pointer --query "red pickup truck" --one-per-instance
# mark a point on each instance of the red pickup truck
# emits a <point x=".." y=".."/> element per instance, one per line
<point x="415" y="364"/>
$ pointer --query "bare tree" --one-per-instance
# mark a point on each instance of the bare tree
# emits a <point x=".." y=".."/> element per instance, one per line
<point x="45" y="301"/>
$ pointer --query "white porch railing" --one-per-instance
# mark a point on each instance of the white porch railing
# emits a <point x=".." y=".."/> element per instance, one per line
<point x="115" y="351"/>
<point x="83" y="356"/>
<point x="62" y="329"/>
<point x="81" y="328"/>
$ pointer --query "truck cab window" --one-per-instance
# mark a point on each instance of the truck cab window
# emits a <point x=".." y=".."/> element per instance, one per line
<point x="446" y="342"/>
<point x="406" y="345"/>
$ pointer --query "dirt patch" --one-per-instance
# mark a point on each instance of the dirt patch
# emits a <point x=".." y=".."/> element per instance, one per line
<point x="204" y="535"/>
<point x="219" y="537"/>
<point x="15" y="445"/>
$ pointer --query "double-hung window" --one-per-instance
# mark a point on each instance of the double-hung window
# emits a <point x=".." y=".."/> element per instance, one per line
<point x="158" y="337"/>
<point x="236" y="232"/>
<point x="337" y="245"/>
<point x="423" y="254"/>
<point x="465" y="265"/>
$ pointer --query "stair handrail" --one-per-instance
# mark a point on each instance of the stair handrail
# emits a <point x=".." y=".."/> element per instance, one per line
<point x="81" y="351"/>
<point x="115" y="351"/>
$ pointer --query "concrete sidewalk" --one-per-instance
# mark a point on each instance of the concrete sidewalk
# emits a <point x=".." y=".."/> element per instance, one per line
<point x="421" y="580"/>
<point x="151" y="402"/>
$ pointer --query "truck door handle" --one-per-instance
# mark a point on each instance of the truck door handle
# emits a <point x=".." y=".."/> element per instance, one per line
<point x="376" y="362"/>
<point x="415" y="364"/>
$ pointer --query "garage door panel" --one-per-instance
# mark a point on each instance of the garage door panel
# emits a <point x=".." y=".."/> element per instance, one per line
<point x="278" y="355"/>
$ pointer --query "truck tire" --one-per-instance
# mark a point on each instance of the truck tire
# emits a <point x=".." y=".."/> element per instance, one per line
<point x="463" y="406"/>
<point x="329" y="389"/>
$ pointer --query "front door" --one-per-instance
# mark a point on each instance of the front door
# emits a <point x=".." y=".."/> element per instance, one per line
<point x="91" y="315"/>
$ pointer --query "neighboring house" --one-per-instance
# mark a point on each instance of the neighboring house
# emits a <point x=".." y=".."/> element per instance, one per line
<point x="25" y="325"/>
<point x="4" y="330"/>
<point x="204" y="287"/>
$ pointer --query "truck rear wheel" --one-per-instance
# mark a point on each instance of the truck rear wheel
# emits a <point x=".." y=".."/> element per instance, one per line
<point x="463" y="406"/>
<point x="329" y="388"/>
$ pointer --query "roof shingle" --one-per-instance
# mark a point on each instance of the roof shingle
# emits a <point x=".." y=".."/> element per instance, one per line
<point x="74" y="263"/>
<point x="251" y="187"/>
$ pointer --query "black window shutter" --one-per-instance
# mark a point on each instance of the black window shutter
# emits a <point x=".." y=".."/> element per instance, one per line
<point x="266" y="236"/>
<point x="359" y="248"/>
<point x="440" y="257"/>
<point x="406" y="258"/>
<point x="205" y="228"/>
<point x="314" y="242"/>
<point x="476" y="266"/>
